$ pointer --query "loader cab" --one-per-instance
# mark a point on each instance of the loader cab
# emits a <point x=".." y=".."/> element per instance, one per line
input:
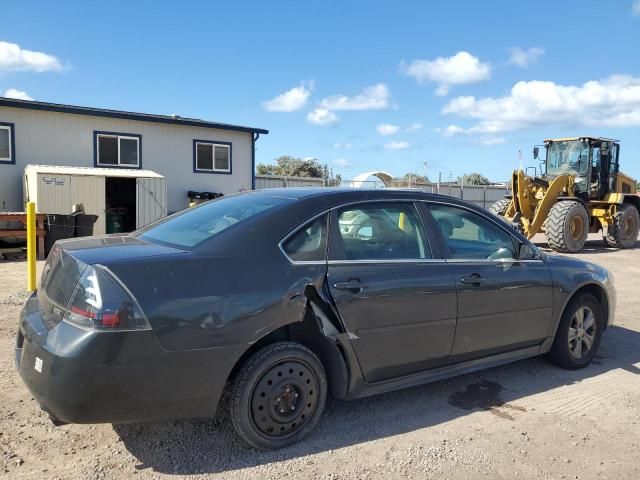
<point x="593" y="162"/>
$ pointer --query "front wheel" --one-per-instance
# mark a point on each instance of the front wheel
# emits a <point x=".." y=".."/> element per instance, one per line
<point x="579" y="333"/>
<point x="278" y="395"/>
<point x="567" y="226"/>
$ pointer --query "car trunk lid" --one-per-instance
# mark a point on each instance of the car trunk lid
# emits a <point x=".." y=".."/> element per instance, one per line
<point x="68" y="259"/>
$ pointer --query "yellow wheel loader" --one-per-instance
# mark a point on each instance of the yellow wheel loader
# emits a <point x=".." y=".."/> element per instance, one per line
<point x="581" y="190"/>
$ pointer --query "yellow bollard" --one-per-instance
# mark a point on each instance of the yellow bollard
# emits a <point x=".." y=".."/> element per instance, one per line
<point x="31" y="246"/>
<point x="402" y="222"/>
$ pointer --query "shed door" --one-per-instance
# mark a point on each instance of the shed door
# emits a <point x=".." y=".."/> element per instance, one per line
<point x="151" y="200"/>
<point x="89" y="191"/>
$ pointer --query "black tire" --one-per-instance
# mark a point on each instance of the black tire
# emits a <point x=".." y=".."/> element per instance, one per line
<point x="624" y="231"/>
<point x="567" y="226"/>
<point x="500" y="207"/>
<point x="563" y="351"/>
<point x="278" y="396"/>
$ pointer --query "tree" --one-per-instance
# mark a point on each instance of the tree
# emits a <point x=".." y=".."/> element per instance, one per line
<point x="413" y="178"/>
<point x="473" y="179"/>
<point x="288" y="166"/>
<point x="334" y="181"/>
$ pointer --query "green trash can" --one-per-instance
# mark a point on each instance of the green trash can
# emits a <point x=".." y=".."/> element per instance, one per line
<point x="115" y="220"/>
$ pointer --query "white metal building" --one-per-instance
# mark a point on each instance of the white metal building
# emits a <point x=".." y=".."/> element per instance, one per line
<point x="191" y="154"/>
<point x="141" y="193"/>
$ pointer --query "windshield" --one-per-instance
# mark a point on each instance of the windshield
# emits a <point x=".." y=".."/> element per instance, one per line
<point x="570" y="157"/>
<point x="201" y="223"/>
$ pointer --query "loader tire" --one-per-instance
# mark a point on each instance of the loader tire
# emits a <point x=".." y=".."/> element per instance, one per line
<point x="500" y="207"/>
<point x="624" y="231"/>
<point x="567" y="226"/>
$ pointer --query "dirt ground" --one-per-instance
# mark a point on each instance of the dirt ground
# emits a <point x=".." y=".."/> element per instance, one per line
<point x="525" y="420"/>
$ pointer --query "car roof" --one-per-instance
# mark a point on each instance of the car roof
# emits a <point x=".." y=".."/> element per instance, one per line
<point x="307" y="192"/>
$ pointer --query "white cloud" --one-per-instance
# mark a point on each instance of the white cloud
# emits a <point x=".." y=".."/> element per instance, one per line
<point x="289" y="101"/>
<point x="322" y="117"/>
<point x="387" y="129"/>
<point x="612" y="102"/>
<point x="450" y="130"/>
<point x="397" y="145"/>
<point x="17" y="94"/>
<point x="488" y="141"/>
<point x="414" y="127"/>
<point x="340" y="146"/>
<point x="462" y="68"/>
<point x="635" y="8"/>
<point x="375" y="97"/>
<point x="525" y="58"/>
<point x="14" y="58"/>
<point x="342" y="162"/>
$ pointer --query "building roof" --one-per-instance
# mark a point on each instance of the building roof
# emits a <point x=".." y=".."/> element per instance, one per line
<point x="100" y="172"/>
<point x="143" y="117"/>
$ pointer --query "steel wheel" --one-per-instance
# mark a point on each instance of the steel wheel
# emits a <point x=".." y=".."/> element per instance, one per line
<point x="278" y="395"/>
<point x="582" y="332"/>
<point x="284" y="399"/>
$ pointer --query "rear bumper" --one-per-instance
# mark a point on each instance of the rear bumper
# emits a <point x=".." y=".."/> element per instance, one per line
<point x="109" y="377"/>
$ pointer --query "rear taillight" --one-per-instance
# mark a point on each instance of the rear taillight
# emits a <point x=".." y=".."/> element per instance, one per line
<point x="100" y="302"/>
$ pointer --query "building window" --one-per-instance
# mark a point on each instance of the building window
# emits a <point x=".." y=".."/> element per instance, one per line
<point x="212" y="157"/>
<point x="7" y="154"/>
<point x="117" y="150"/>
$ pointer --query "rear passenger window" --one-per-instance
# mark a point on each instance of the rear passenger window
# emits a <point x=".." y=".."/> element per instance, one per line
<point x="387" y="231"/>
<point x="308" y="244"/>
<point x="469" y="236"/>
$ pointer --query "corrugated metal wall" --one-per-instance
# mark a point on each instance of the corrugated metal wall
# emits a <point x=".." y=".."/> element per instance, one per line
<point x="482" y="195"/>
<point x="264" y="181"/>
<point x="151" y="200"/>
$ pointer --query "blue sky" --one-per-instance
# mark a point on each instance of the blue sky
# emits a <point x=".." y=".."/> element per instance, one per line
<point x="462" y="85"/>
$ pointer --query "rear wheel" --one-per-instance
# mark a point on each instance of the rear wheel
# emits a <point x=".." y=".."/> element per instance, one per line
<point x="624" y="231"/>
<point x="567" y="226"/>
<point x="500" y="207"/>
<point x="579" y="333"/>
<point x="278" y="395"/>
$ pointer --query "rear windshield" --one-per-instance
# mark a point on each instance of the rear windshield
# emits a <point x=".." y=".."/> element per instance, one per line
<point x="201" y="223"/>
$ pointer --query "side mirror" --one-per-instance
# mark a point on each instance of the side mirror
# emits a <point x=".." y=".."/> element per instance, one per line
<point x="527" y="252"/>
<point x="536" y="152"/>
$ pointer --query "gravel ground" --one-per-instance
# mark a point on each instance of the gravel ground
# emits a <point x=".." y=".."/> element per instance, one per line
<point x="525" y="420"/>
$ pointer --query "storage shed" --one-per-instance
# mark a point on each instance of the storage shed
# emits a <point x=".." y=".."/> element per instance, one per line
<point x="130" y="198"/>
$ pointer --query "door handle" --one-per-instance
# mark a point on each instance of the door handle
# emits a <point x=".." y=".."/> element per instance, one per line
<point x="353" y="284"/>
<point x="474" y="279"/>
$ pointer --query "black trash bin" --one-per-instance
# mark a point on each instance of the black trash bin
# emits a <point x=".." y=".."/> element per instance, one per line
<point x="57" y="227"/>
<point x="84" y="224"/>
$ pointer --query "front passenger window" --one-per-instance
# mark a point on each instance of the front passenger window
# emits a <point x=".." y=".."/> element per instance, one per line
<point x="469" y="236"/>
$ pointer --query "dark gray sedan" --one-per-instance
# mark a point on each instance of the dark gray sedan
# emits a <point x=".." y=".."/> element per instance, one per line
<point x="282" y="297"/>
